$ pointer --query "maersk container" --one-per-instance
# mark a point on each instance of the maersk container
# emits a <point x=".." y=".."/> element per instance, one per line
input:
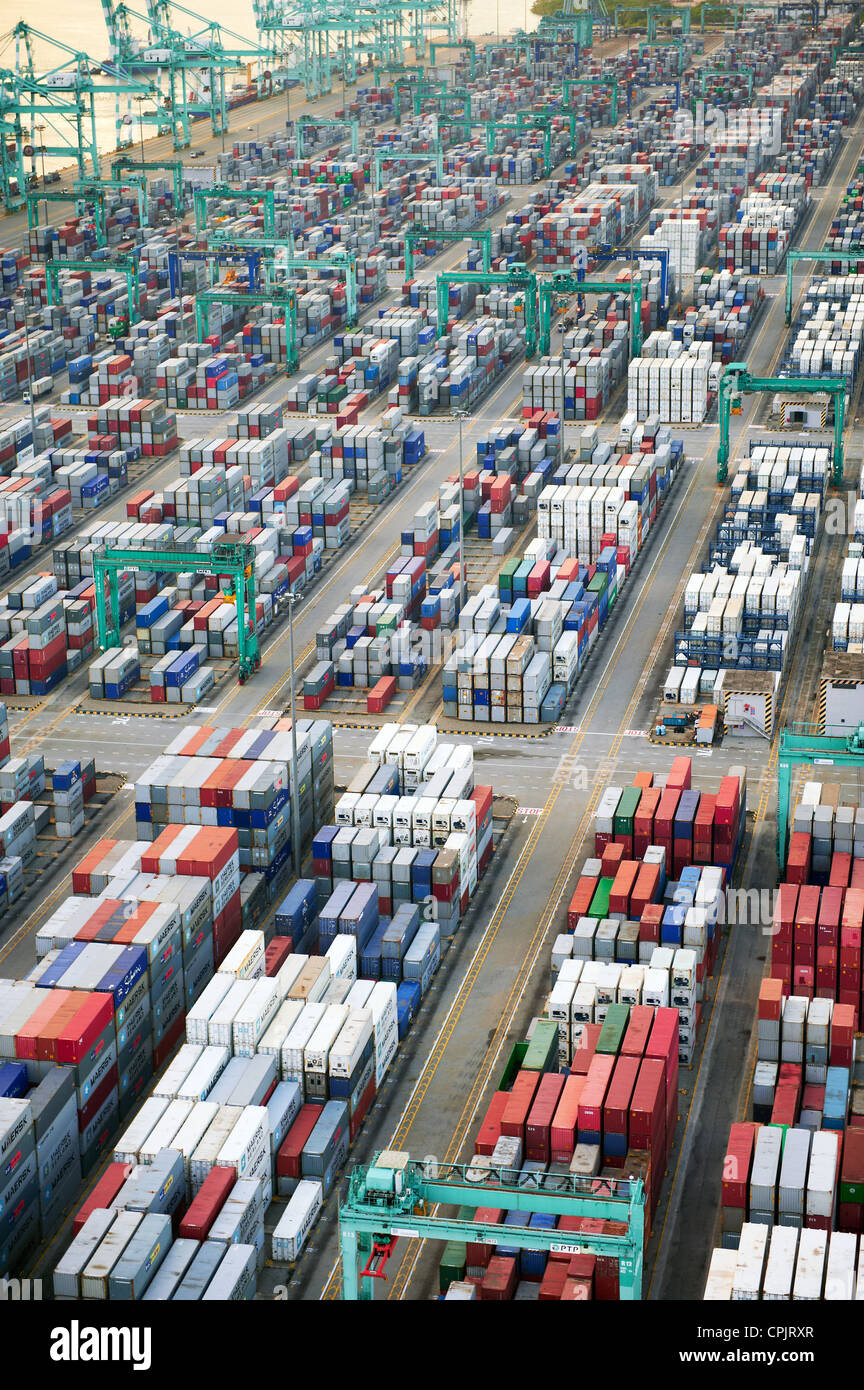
<point x="247" y="1143"/>
<point x="140" y="1260"/>
<point x="95" y="1277"/>
<point x="171" y="1271"/>
<point x="256" y="1082"/>
<point x="217" y="1133"/>
<point x="235" y="1279"/>
<point x="254" y="1016"/>
<point x="163" y="1132"/>
<point x="199" y="1015"/>
<point x="128" y="1147"/>
<point x="200" y="1272"/>
<point x="71" y="1265"/>
<point x="327" y="1146"/>
<point x="189" y="1136"/>
<point x="294" y="1045"/>
<point x="242" y="1214"/>
<point x="205" y="1073"/>
<point x="297" y="1220"/>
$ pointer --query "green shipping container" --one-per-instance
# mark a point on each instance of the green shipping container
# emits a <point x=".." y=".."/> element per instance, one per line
<point x="614" y="1028"/>
<point x="600" y="902"/>
<point x="453" y="1262"/>
<point x="626" y="810"/>
<point x="542" y="1054"/>
<point x="512" y="1066"/>
<point x="597" y="585"/>
<point x="505" y="576"/>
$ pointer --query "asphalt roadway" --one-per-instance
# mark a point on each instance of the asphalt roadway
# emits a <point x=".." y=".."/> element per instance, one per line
<point x="497" y="973"/>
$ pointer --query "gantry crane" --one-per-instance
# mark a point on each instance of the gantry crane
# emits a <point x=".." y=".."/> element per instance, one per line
<point x="395" y="1196"/>
<point x="466" y="44"/>
<point x="341" y="263"/>
<point x="305" y="123"/>
<point x="124" y="264"/>
<point x="852" y="255"/>
<point x="264" y="196"/>
<point x="61" y="101"/>
<point x="419" y="234"/>
<point x="281" y="297"/>
<point x="388" y="156"/>
<point x="728" y="76"/>
<point x="664" y="43"/>
<point x="510" y="128"/>
<point x="80" y="194"/>
<point x="177" y="61"/>
<point x="235" y="560"/>
<point x="517" y="279"/>
<point x="800" y="746"/>
<point x="736" y="380"/>
<point x="608" y="255"/>
<point x="610" y="82"/>
<point x="174" y="167"/>
<point x="564" y="283"/>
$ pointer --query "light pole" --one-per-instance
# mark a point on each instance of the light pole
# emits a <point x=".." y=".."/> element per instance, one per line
<point x="460" y="416"/>
<point x="140" y="100"/>
<point x="295" y="802"/>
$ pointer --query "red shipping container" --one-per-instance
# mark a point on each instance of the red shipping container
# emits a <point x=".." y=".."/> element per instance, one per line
<point x="585" y="1048"/>
<point x="735" y="1179"/>
<point x="616" y="1108"/>
<point x="622" y="887"/>
<point x="540" y="1116"/>
<point x="380" y="695"/>
<point x="515" y="1113"/>
<point x="590" y="1112"/>
<point x="639" y="1027"/>
<point x="611" y="857"/>
<point x="646" y="889"/>
<point x="728" y="800"/>
<point x="679" y="773"/>
<point x="288" y="1157"/>
<point x="664" y="817"/>
<point x="490" y="1129"/>
<point x="643" y="819"/>
<point x="103" y="1193"/>
<point x="207" y="1204"/>
<point x="562" y="1132"/>
<point x="477" y="1253"/>
<point x="581" y="899"/>
<point x="499" y="1282"/>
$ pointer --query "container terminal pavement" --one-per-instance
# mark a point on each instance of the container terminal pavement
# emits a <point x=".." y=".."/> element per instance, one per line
<point x="371" y="559"/>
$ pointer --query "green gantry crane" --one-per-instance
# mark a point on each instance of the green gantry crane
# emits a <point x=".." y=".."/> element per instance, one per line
<point x="496" y="128"/>
<point x="125" y="264"/>
<point x="96" y="191"/>
<point x="382" y="156"/>
<point x="466" y="44"/>
<point x="801" y="747"/>
<point x="855" y="253"/>
<point x="305" y="123"/>
<point x="343" y="264"/>
<point x="610" y="82"/>
<point x="418" y="234"/>
<point x="174" y="167"/>
<point x="396" y="1196"/>
<point x="279" y="296"/>
<point x="224" y="193"/>
<point x="517" y="279"/>
<point x="736" y="380"/>
<point x="728" y="76"/>
<point x="233" y="559"/>
<point x="664" y="43"/>
<point x="564" y="283"/>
